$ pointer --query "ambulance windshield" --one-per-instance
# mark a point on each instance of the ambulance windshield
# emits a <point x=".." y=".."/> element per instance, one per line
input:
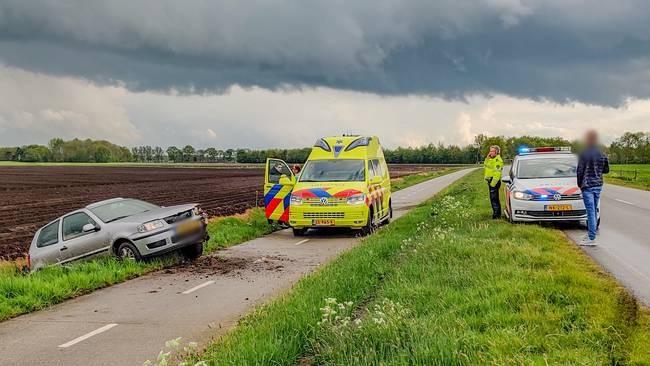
<point x="343" y="170"/>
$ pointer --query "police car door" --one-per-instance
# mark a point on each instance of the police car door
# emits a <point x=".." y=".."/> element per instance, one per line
<point x="277" y="194"/>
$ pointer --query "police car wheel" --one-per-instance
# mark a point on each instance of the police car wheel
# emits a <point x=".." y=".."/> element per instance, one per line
<point x="299" y="232"/>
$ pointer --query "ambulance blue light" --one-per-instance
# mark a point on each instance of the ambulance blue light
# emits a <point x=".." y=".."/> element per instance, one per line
<point x="523" y="150"/>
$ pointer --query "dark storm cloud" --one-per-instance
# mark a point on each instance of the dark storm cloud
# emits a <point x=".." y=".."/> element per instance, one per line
<point x="591" y="51"/>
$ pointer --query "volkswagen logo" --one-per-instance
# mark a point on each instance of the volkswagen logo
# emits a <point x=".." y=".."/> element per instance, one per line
<point x="324" y="201"/>
<point x="557" y="196"/>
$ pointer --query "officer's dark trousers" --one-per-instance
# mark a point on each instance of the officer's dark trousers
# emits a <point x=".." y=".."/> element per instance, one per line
<point x="494" y="200"/>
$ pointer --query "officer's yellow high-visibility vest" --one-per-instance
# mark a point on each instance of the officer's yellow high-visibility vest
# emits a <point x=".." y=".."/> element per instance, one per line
<point x="493" y="167"/>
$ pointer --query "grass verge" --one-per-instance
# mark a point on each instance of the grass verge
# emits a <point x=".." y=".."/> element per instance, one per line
<point x="22" y="293"/>
<point x="403" y="182"/>
<point x="447" y="285"/>
<point x="630" y="175"/>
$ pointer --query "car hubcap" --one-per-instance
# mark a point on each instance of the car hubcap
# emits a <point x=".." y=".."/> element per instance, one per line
<point x="127" y="253"/>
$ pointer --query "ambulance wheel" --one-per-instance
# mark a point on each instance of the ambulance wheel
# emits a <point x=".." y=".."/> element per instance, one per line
<point x="299" y="232"/>
<point x="390" y="213"/>
<point x="370" y="225"/>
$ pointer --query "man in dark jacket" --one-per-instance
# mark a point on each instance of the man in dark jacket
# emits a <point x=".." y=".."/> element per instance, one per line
<point x="592" y="164"/>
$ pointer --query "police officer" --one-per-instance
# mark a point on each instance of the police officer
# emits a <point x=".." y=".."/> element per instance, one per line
<point x="493" y="165"/>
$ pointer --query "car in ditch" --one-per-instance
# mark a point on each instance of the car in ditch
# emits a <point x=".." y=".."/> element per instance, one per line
<point x="542" y="186"/>
<point x="123" y="227"/>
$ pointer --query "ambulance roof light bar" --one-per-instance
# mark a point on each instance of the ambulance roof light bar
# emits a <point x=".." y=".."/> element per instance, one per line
<point x="536" y="150"/>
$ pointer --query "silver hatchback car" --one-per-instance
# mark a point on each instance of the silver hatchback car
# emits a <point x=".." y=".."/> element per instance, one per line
<point x="125" y="228"/>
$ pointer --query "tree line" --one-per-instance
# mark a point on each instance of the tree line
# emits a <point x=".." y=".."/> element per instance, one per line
<point x="630" y="148"/>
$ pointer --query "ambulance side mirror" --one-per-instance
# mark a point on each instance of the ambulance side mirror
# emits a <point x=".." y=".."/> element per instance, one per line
<point x="286" y="181"/>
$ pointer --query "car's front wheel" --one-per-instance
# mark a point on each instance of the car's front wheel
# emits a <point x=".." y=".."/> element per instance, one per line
<point x="192" y="252"/>
<point x="127" y="251"/>
<point x="370" y="224"/>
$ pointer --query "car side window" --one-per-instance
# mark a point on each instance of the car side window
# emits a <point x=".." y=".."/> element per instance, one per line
<point x="277" y="168"/>
<point x="73" y="225"/>
<point x="49" y="235"/>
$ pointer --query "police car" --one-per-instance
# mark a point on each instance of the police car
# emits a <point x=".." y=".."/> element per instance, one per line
<point x="542" y="186"/>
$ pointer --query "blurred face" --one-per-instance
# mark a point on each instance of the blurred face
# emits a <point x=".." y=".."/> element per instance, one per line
<point x="493" y="152"/>
<point x="591" y="138"/>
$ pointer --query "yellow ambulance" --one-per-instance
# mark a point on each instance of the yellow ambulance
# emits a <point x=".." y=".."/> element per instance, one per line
<point x="344" y="183"/>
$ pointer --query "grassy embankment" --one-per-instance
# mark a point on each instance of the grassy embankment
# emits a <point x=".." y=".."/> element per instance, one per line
<point x="630" y="175"/>
<point x="447" y="285"/>
<point x="22" y="293"/>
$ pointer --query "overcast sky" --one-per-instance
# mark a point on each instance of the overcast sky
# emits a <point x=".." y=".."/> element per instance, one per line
<point x="282" y="73"/>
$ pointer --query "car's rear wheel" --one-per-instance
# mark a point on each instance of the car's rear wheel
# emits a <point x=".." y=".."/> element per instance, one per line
<point x="127" y="251"/>
<point x="299" y="232"/>
<point x="192" y="252"/>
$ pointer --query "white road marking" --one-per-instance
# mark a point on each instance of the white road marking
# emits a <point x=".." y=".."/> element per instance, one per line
<point x="207" y="283"/>
<point x="88" y="335"/>
<point x="626" y="202"/>
<point x="302" y="242"/>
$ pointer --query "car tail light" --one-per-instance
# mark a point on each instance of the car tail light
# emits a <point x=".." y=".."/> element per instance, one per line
<point x="29" y="261"/>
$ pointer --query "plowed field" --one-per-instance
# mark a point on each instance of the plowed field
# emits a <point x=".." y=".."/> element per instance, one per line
<point x="32" y="196"/>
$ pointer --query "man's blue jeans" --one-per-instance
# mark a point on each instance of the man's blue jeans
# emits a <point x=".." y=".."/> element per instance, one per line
<point x="591" y="197"/>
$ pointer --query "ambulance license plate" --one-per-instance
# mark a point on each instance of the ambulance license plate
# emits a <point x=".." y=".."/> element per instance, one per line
<point x="188" y="227"/>
<point x="323" y="222"/>
<point x="559" y="208"/>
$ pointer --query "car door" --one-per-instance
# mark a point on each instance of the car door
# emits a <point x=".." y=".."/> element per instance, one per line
<point x="48" y="244"/>
<point x="385" y="185"/>
<point x="377" y="191"/>
<point x="79" y="243"/>
<point x="277" y="196"/>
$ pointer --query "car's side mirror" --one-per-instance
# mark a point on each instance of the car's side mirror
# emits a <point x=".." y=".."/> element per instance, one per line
<point x="286" y="181"/>
<point x="375" y="180"/>
<point x="506" y="179"/>
<point x="89" y="227"/>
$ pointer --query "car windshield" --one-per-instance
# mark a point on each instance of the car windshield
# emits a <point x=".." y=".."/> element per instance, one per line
<point x="343" y="170"/>
<point x="120" y="209"/>
<point x="560" y="167"/>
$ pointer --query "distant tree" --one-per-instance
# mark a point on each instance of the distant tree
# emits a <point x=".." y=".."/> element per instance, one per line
<point x="174" y="154"/>
<point x="158" y="154"/>
<point x="56" y="148"/>
<point x="212" y="154"/>
<point x="188" y="153"/>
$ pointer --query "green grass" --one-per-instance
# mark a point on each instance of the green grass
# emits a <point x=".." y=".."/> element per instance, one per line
<point x="413" y="179"/>
<point x="630" y="175"/>
<point x="446" y="285"/>
<point x="22" y="293"/>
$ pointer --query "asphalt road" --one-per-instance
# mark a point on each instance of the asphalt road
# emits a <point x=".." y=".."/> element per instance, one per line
<point x="624" y="238"/>
<point x="128" y="323"/>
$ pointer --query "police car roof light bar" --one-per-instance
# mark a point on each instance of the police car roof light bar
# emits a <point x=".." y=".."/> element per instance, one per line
<point x="545" y="149"/>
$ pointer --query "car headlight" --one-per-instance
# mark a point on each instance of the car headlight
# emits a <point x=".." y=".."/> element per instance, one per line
<point x="522" y="196"/>
<point x="296" y="200"/>
<point x="357" y="199"/>
<point x="151" y="225"/>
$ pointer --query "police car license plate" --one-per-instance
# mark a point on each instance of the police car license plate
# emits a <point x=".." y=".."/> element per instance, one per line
<point x="559" y="208"/>
<point x="326" y="222"/>
<point x="188" y="227"/>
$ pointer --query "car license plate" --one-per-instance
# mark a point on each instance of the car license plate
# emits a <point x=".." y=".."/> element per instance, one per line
<point x="188" y="227"/>
<point x="326" y="222"/>
<point x="559" y="208"/>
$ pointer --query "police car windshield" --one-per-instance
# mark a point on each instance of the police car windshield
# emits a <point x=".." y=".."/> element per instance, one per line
<point x="560" y="167"/>
<point x="343" y="170"/>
